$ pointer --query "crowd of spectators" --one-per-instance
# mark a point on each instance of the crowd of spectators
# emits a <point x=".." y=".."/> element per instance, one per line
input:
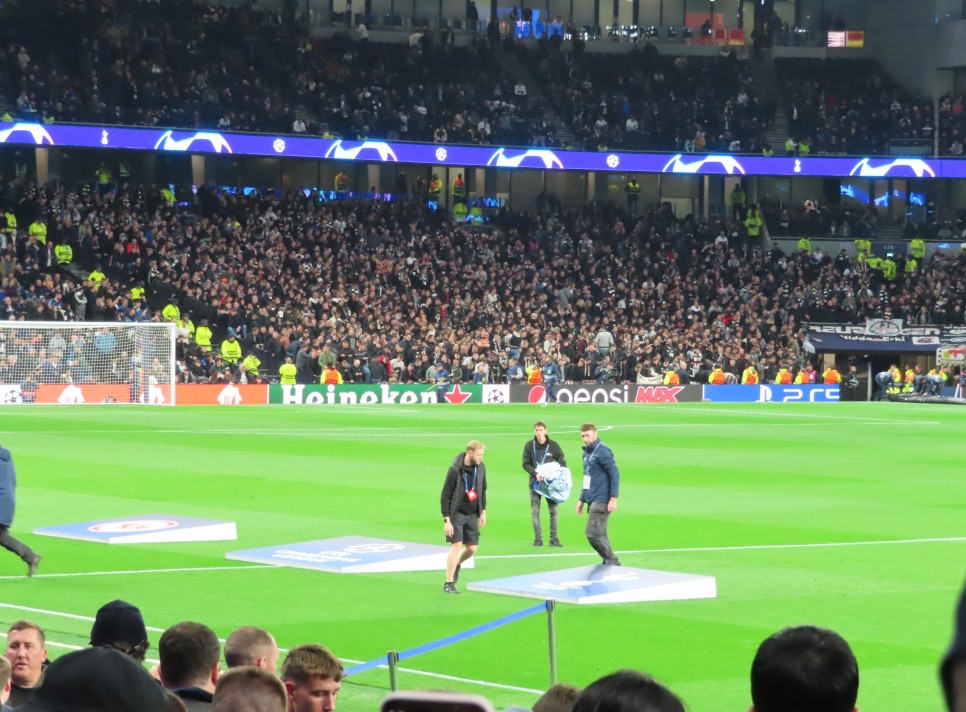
<point x="388" y="290"/>
<point x="802" y="667"/>
<point x="245" y="68"/>
<point x="850" y="106"/>
<point x="952" y="125"/>
<point x="644" y="100"/>
<point x="253" y="69"/>
<point x="815" y="217"/>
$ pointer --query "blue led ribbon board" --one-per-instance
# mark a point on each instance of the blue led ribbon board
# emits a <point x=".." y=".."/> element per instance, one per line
<point x="351" y="555"/>
<point x="603" y="584"/>
<point x="145" y="529"/>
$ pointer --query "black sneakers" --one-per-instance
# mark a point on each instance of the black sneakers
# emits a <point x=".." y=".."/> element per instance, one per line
<point x="450" y="588"/>
<point x="538" y="542"/>
<point x="555" y="542"/>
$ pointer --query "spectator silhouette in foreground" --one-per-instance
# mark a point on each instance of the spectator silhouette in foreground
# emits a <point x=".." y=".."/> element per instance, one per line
<point x="119" y="625"/>
<point x="627" y="691"/>
<point x="251" y="646"/>
<point x="97" y="680"/>
<point x="804" y="669"/>
<point x="26" y="651"/>
<point x="312" y="677"/>
<point x="953" y="669"/>
<point x="250" y="689"/>
<point x="190" y="655"/>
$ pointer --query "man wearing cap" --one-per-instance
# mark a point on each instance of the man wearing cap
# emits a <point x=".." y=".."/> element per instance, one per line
<point x="231" y="350"/>
<point x="8" y="486"/>
<point x="119" y="625"/>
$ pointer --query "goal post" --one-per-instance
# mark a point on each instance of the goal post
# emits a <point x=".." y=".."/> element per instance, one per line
<point x="87" y="362"/>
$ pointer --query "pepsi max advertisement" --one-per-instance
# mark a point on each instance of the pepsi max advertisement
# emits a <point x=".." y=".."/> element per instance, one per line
<point x="374" y="151"/>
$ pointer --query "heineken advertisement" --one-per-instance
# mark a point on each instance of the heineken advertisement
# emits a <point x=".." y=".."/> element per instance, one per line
<point x="378" y="394"/>
<point x="488" y="393"/>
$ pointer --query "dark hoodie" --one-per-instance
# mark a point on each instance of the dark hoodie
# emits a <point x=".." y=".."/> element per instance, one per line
<point x="957" y="651"/>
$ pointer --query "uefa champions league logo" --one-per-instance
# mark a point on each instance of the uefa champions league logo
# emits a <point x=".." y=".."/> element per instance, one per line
<point x="382" y="149"/>
<point x="899" y="167"/>
<point x="217" y="142"/>
<point x="533" y="158"/>
<point x="36" y="132"/>
<point x="708" y="164"/>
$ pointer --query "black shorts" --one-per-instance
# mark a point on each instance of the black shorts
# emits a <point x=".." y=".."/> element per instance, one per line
<point x="466" y="529"/>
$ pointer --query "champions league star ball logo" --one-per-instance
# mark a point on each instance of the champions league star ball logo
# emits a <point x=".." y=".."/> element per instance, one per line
<point x="899" y="167"/>
<point x="709" y="164"/>
<point x="534" y="158"/>
<point x="36" y="132"/>
<point x="380" y="148"/>
<point x="216" y="142"/>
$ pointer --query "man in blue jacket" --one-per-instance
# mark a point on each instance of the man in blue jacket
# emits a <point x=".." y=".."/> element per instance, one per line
<point x="600" y="489"/>
<point x="8" y="485"/>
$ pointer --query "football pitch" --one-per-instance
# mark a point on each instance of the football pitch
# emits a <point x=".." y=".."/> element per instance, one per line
<point x="849" y="516"/>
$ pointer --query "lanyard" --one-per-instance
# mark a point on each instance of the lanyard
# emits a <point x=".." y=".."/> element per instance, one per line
<point x="466" y="483"/>
<point x="544" y="458"/>
<point x="588" y="460"/>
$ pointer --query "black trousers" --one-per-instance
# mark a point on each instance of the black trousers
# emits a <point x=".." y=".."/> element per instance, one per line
<point x="15" y="545"/>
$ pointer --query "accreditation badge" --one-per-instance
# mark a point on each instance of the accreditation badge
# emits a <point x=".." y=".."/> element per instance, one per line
<point x="471" y="495"/>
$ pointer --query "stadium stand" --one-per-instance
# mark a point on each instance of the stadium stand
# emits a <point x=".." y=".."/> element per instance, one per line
<point x="285" y="273"/>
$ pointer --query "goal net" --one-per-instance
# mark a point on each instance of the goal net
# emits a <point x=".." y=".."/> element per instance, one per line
<point x="86" y="362"/>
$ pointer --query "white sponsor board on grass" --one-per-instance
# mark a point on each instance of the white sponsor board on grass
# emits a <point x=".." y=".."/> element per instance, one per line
<point x="351" y="554"/>
<point x="603" y="584"/>
<point x="145" y="529"/>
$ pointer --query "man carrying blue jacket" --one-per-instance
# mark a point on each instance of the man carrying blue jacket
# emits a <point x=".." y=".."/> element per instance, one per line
<point x="599" y="493"/>
<point x="8" y="486"/>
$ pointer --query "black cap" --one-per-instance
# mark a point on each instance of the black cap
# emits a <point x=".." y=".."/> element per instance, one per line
<point x="96" y="680"/>
<point x="957" y="651"/>
<point x="119" y="622"/>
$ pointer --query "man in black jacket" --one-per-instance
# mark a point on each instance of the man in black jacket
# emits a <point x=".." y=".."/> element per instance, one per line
<point x="463" y="505"/>
<point x="541" y="449"/>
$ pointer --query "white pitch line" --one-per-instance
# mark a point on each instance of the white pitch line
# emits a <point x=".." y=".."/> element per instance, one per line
<point x="394" y="432"/>
<point x="863" y="419"/>
<point x="749" y="547"/>
<point x="90" y="619"/>
<point x="142" y="571"/>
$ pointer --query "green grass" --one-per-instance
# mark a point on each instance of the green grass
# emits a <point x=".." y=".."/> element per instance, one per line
<point x="740" y="492"/>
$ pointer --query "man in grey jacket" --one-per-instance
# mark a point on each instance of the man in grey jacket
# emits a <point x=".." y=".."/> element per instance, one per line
<point x="8" y="486"/>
